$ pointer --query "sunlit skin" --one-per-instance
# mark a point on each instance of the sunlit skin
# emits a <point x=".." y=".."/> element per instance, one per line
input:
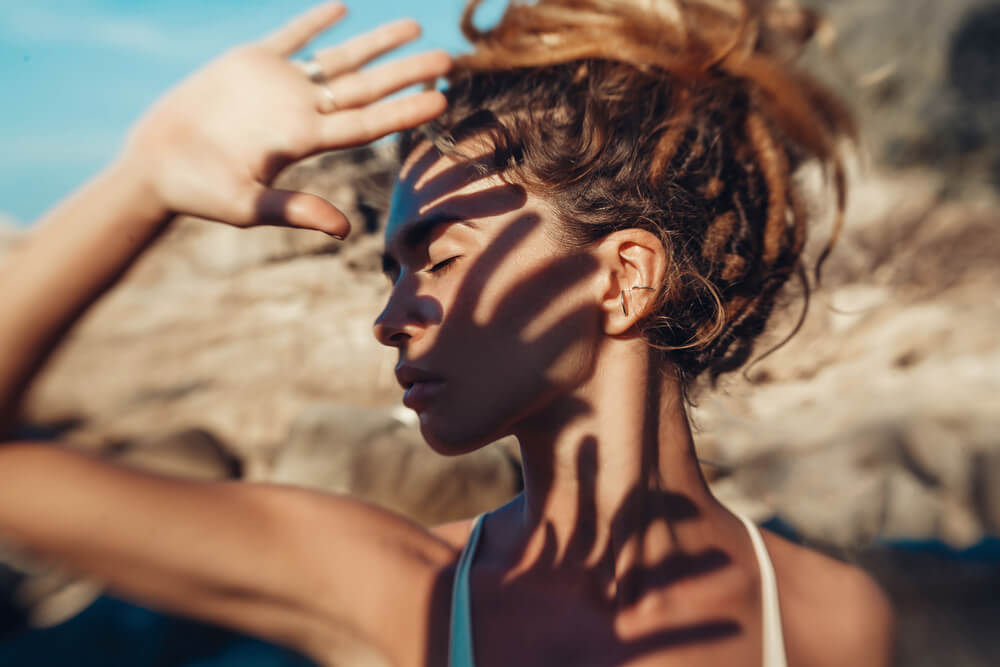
<point x="474" y="302"/>
<point x="529" y="338"/>
<point x="616" y="553"/>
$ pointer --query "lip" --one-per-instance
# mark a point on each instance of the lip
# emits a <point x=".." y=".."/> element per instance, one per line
<point x="419" y="394"/>
<point x="421" y="386"/>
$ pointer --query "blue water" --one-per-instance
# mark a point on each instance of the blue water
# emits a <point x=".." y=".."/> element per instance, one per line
<point x="111" y="633"/>
<point x="987" y="551"/>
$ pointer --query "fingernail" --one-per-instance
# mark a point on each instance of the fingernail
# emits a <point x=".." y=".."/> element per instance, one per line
<point x="337" y="236"/>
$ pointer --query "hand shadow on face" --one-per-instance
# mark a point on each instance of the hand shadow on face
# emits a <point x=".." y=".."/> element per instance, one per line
<point x="534" y="294"/>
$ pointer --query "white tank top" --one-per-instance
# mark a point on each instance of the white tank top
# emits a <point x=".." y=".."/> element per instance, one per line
<point x="460" y="653"/>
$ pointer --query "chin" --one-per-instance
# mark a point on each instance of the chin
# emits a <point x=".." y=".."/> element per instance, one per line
<point x="452" y="438"/>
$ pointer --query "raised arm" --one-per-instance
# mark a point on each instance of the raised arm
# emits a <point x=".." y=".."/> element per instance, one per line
<point x="319" y="573"/>
<point x="208" y="148"/>
<point x="288" y="565"/>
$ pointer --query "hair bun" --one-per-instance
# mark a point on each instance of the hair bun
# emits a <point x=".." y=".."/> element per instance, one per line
<point x="687" y="118"/>
<point x="681" y="36"/>
<point x="752" y="43"/>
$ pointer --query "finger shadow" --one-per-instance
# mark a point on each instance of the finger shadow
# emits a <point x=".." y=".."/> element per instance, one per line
<point x="524" y="302"/>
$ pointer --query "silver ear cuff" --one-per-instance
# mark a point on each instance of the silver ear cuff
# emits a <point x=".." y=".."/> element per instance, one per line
<point x="625" y="304"/>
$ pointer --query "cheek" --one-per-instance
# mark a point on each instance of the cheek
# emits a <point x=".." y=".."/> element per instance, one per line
<point x="539" y="333"/>
<point x="532" y="290"/>
<point x="503" y="375"/>
<point x="501" y="387"/>
<point x="511" y="344"/>
<point x="574" y="363"/>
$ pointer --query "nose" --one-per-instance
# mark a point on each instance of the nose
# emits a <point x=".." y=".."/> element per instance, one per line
<point x="402" y="319"/>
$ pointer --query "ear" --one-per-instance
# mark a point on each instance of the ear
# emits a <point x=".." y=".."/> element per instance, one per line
<point x="634" y="263"/>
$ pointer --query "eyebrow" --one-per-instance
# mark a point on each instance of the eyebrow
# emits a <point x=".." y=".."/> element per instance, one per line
<point x="419" y="232"/>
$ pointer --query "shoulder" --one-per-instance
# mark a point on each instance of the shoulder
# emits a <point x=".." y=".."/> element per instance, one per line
<point x="832" y="613"/>
<point x="365" y="573"/>
<point x="456" y="533"/>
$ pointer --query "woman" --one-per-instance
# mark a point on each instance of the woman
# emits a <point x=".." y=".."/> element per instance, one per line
<point x="604" y="214"/>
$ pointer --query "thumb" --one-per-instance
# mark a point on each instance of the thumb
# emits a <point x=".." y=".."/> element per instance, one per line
<point x="300" y="209"/>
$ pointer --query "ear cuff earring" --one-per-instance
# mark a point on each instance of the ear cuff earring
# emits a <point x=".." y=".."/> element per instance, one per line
<point x="625" y="304"/>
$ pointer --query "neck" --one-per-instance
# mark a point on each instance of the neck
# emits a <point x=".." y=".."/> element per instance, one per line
<point x="615" y="485"/>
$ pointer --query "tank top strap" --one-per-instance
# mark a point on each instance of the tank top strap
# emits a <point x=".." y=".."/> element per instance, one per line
<point x="774" y="640"/>
<point x="460" y="638"/>
<point x="460" y="649"/>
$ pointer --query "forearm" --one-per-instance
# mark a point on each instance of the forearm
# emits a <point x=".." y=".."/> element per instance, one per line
<point x="67" y="261"/>
<point x="208" y="148"/>
<point x="283" y="563"/>
<point x="290" y="565"/>
<point x="175" y="545"/>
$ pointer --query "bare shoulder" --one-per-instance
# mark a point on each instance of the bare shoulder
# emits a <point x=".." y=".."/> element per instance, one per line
<point x="376" y="578"/>
<point x="313" y="571"/>
<point x="455" y="533"/>
<point x="832" y="613"/>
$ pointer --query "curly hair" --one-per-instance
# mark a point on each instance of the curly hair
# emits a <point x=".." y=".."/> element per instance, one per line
<point x="685" y="118"/>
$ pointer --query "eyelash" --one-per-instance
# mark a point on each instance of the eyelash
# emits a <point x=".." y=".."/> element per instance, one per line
<point x="443" y="266"/>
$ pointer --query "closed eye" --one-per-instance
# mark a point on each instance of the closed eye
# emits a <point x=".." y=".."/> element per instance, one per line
<point x="443" y="265"/>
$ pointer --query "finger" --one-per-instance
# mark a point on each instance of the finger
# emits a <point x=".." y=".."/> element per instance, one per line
<point x="355" y="52"/>
<point x="365" y="87"/>
<point x="361" y="126"/>
<point x="298" y="32"/>
<point x="300" y="209"/>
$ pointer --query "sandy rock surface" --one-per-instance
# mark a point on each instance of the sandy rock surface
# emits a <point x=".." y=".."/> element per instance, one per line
<point x="377" y="455"/>
<point x="922" y="74"/>
<point x="878" y="418"/>
<point x="233" y="331"/>
<point x="885" y="401"/>
<point x="249" y="352"/>
<point x="9" y="233"/>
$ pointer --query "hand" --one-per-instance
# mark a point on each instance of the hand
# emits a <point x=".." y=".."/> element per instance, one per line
<point x="211" y="146"/>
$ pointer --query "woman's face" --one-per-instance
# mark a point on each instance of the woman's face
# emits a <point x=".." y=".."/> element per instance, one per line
<point x="494" y="320"/>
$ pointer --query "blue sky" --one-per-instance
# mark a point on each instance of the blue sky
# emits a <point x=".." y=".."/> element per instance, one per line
<point x="76" y="73"/>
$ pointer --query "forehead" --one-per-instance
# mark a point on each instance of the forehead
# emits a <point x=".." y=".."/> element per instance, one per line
<point x="434" y="186"/>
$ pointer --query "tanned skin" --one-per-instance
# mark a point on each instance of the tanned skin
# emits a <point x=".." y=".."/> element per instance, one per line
<point x="614" y="498"/>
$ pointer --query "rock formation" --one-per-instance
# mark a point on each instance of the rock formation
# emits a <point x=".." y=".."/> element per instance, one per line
<point x="890" y="382"/>
<point x="884" y="401"/>
<point x="923" y="75"/>
<point x="878" y="411"/>
<point x="250" y="351"/>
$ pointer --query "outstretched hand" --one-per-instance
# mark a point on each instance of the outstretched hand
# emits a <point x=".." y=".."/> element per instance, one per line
<point x="211" y="146"/>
